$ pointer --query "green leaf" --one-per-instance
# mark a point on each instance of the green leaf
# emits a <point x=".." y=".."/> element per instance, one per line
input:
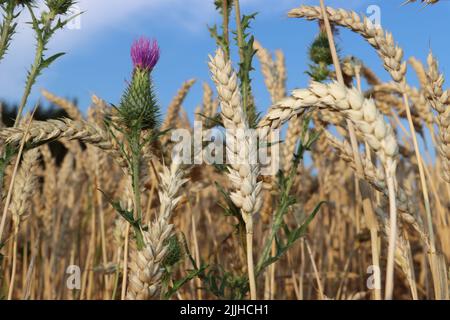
<point x="45" y="63"/>
<point x="129" y="217"/>
<point x="179" y="283"/>
<point x="302" y="229"/>
<point x="214" y="121"/>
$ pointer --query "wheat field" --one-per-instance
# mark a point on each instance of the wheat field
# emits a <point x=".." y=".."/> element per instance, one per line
<point x="105" y="203"/>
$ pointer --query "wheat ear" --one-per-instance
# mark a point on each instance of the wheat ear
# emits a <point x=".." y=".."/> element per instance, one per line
<point x="403" y="257"/>
<point x="146" y="269"/>
<point x="209" y="105"/>
<point x="44" y="131"/>
<point x="392" y="57"/>
<point x="241" y="151"/>
<point x="268" y="70"/>
<point x="24" y="186"/>
<point x="72" y="110"/>
<point x="26" y="181"/>
<point x="273" y="71"/>
<point x="174" y="107"/>
<point x="351" y="104"/>
<point x="280" y="66"/>
<point x="439" y="101"/>
<point x="290" y="143"/>
<point x="420" y="71"/>
<point x="383" y="42"/>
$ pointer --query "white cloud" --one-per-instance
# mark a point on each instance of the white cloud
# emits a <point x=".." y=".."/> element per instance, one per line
<point x="102" y="16"/>
<point x="99" y="17"/>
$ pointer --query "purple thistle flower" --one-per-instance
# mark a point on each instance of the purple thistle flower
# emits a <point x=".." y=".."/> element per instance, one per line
<point x="145" y="54"/>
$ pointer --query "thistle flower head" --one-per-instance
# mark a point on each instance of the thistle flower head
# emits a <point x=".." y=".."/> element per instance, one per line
<point x="138" y="107"/>
<point x="145" y="54"/>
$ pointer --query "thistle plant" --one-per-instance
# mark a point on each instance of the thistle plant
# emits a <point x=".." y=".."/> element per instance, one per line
<point x="246" y="53"/>
<point x="45" y="26"/>
<point x="138" y="113"/>
<point x="222" y="40"/>
<point x="138" y="108"/>
<point x="320" y="55"/>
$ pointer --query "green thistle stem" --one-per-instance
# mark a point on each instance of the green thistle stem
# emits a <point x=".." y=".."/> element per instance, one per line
<point x="284" y="204"/>
<point x="43" y="36"/>
<point x="135" y="146"/>
<point x="31" y="79"/>
<point x="135" y="163"/>
<point x="240" y="37"/>
<point x="8" y="29"/>
<point x="226" y="16"/>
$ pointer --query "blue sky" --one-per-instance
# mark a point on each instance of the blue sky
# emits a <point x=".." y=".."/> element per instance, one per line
<point x="97" y="59"/>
